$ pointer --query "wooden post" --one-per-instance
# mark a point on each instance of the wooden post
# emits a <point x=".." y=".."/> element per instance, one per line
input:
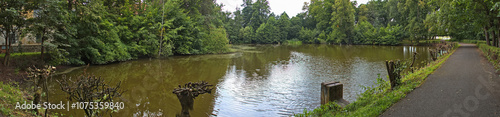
<point x="394" y="76"/>
<point x="390" y="72"/>
<point x="433" y="54"/>
<point x="332" y="91"/>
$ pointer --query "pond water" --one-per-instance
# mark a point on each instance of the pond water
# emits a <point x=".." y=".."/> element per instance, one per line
<point x="262" y="80"/>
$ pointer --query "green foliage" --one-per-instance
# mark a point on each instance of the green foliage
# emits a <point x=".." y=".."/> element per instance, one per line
<point x="268" y="33"/>
<point x="293" y="42"/>
<point x="492" y="53"/>
<point x="332" y="21"/>
<point x="343" y="22"/>
<point x="390" y="35"/>
<point x="365" y="33"/>
<point x="467" y="19"/>
<point x="93" y="36"/>
<point x="13" y="22"/>
<point x="217" y="41"/>
<point x="22" y="54"/>
<point x="321" y="11"/>
<point x="308" y="36"/>
<point x="247" y="35"/>
<point x="100" y="32"/>
<point x="284" y="25"/>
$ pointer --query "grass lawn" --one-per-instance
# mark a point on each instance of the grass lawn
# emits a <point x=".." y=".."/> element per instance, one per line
<point x="21" y="54"/>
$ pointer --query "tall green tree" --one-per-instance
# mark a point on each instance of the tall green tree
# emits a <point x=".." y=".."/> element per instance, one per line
<point x="261" y="11"/>
<point x="247" y="35"/>
<point x="284" y="25"/>
<point x="13" y="19"/>
<point x="321" y="12"/>
<point x="343" y="22"/>
<point x="268" y="33"/>
<point x="47" y="21"/>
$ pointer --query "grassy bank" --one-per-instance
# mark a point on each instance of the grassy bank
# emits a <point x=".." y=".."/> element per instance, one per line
<point x="293" y="42"/>
<point x="23" y="60"/>
<point x="21" y="54"/>
<point x="9" y="96"/>
<point x="376" y="99"/>
<point x="492" y="53"/>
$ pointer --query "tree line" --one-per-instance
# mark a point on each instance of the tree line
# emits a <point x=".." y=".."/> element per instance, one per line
<point x="378" y="22"/>
<point x="104" y="31"/>
<point x="325" y="21"/>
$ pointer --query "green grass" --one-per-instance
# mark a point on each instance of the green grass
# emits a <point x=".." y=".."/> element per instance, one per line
<point x="9" y="96"/>
<point x="293" y="42"/>
<point x="376" y="99"/>
<point x="21" y="54"/>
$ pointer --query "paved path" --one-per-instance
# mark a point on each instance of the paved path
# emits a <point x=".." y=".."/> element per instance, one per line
<point x="465" y="86"/>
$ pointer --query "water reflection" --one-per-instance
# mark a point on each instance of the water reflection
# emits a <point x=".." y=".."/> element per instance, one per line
<point x="292" y="77"/>
<point x="267" y="81"/>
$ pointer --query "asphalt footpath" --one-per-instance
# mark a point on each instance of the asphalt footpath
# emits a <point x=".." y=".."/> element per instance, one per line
<point x="466" y="85"/>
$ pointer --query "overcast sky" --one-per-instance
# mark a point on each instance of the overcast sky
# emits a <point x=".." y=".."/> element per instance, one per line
<point x="292" y="7"/>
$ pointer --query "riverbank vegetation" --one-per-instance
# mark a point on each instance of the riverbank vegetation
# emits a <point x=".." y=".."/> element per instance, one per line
<point x="376" y="99"/>
<point x="10" y="96"/>
<point x="104" y="31"/>
<point x="492" y="53"/>
<point x="99" y="32"/>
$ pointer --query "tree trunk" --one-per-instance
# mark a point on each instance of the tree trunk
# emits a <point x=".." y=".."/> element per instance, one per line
<point x="486" y="35"/>
<point x="493" y="34"/>
<point x="498" y="40"/>
<point x="7" y="53"/>
<point x="70" y="5"/>
<point x="43" y="40"/>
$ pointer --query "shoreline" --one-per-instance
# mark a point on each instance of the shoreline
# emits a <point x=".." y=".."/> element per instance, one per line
<point x="378" y="98"/>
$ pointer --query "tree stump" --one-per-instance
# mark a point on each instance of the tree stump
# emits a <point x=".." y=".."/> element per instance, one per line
<point x="393" y="70"/>
<point x="434" y="54"/>
<point x="188" y="93"/>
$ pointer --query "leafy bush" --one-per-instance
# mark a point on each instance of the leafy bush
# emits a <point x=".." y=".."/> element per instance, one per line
<point x="365" y="33"/>
<point x="492" y="53"/>
<point x="473" y="41"/>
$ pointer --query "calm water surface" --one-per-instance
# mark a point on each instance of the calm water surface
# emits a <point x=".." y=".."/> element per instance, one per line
<point x="265" y="80"/>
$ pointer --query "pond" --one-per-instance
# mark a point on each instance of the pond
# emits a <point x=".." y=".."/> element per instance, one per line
<point x="261" y="80"/>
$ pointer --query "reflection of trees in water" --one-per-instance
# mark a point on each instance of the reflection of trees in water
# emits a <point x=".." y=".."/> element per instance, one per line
<point x="346" y="62"/>
<point x="256" y="64"/>
<point x="149" y="82"/>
